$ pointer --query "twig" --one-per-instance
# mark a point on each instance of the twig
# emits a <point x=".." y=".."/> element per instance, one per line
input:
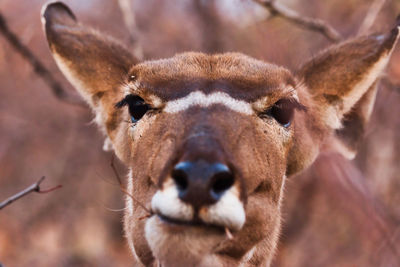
<point x="228" y="233"/>
<point x="316" y="25"/>
<point x="346" y="182"/>
<point x="370" y="17"/>
<point x="38" y="67"/>
<point x="122" y="188"/>
<point x="32" y="188"/>
<point x="130" y="22"/>
<point x="144" y="217"/>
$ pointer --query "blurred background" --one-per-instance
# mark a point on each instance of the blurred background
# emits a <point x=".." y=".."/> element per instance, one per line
<point x="337" y="213"/>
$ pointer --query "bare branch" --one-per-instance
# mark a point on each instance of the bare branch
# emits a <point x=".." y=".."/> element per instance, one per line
<point x="210" y="26"/>
<point x="32" y="188"/>
<point x="371" y="15"/>
<point x="38" y="67"/>
<point x="317" y="25"/>
<point x="130" y="22"/>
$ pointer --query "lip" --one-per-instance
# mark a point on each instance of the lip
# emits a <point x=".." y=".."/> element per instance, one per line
<point x="192" y="223"/>
<point x="182" y="239"/>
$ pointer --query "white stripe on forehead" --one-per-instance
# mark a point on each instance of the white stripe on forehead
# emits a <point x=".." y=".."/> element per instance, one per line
<point x="200" y="99"/>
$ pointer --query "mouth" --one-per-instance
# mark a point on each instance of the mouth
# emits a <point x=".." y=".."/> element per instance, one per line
<point x="192" y="223"/>
<point x="182" y="243"/>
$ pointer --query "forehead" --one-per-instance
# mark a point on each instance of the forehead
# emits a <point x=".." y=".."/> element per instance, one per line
<point x="240" y="76"/>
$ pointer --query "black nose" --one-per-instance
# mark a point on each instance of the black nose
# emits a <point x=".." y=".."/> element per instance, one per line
<point x="201" y="183"/>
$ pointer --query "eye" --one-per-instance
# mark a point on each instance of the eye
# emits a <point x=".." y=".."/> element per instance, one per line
<point x="137" y="106"/>
<point x="283" y="111"/>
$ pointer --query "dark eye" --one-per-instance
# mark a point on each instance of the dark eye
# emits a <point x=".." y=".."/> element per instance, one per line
<point x="137" y="106"/>
<point x="282" y="111"/>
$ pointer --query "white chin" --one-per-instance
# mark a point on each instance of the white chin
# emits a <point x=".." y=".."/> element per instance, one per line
<point x="182" y="245"/>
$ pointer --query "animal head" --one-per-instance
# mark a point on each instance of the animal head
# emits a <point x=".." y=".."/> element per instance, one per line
<point x="211" y="139"/>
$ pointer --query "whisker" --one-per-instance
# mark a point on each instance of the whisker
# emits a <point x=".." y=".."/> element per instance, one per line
<point x="115" y="210"/>
<point x="123" y="190"/>
<point x="105" y="179"/>
<point x="150" y="213"/>
<point x="115" y="170"/>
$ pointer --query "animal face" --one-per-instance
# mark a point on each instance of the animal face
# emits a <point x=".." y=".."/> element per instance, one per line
<point x="210" y="139"/>
<point x="223" y="126"/>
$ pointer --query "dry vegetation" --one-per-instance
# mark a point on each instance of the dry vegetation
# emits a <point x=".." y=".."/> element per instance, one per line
<point x="338" y="213"/>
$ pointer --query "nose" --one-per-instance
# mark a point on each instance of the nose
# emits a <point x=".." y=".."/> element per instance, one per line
<point x="202" y="183"/>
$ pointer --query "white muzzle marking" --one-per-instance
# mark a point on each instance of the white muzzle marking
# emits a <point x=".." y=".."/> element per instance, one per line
<point x="198" y="98"/>
<point x="227" y="212"/>
<point x="167" y="203"/>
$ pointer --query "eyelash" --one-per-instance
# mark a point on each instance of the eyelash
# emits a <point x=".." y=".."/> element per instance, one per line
<point x="283" y="111"/>
<point x="137" y="106"/>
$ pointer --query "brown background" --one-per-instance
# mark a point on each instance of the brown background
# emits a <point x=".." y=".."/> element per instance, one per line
<point x="338" y="213"/>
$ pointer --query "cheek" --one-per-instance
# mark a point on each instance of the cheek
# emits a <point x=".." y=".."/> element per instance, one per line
<point x="262" y="155"/>
<point x="139" y="129"/>
<point x="133" y="142"/>
<point x="163" y="151"/>
<point x="153" y="146"/>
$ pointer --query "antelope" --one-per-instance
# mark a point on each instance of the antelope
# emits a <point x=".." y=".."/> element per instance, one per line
<point x="209" y="140"/>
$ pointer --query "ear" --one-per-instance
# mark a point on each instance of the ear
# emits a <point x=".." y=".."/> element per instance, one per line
<point x="342" y="82"/>
<point x="95" y="64"/>
<point x="339" y="87"/>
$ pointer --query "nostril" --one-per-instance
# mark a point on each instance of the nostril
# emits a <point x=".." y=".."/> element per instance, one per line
<point x="222" y="181"/>
<point x="202" y="183"/>
<point x="180" y="177"/>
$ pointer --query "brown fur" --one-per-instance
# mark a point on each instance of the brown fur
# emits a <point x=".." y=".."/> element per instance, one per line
<point x="261" y="152"/>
